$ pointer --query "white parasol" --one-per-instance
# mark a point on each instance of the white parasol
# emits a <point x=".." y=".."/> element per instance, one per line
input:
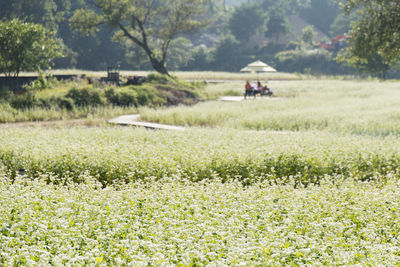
<point x="258" y="66"/>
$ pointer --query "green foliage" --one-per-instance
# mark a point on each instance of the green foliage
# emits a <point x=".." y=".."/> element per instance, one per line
<point x="342" y="23"/>
<point x="276" y="25"/>
<point x="66" y="103"/>
<point x="26" y="47"/>
<point x="152" y="27"/>
<point x="179" y="53"/>
<point x="24" y="101"/>
<point x="226" y="56"/>
<point x="49" y="13"/>
<point x="64" y="100"/>
<point x="4" y="93"/>
<point x="201" y="59"/>
<point x="86" y="96"/>
<point x="42" y="82"/>
<point x="375" y="36"/>
<point x="308" y="36"/>
<point x="319" y="61"/>
<point x="245" y="21"/>
<point x="158" y="78"/>
<point x="126" y="97"/>
<point x="322" y="14"/>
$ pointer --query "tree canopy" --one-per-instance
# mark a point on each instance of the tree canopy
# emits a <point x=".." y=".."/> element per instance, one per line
<point x="149" y="24"/>
<point x="49" y="13"/>
<point x="375" y="36"/>
<point x="245" y="21"/>
<point x="26" y="47"/>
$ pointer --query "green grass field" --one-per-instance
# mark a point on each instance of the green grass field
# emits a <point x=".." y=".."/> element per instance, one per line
<point x="307" y="177"/>
<point x="331" y="105"/>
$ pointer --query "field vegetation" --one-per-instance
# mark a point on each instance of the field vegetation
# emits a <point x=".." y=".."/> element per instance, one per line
<point x="309" y="176"/>
<point x="171" y="222"/>
<point x="337" y="106"/>
<point x="49" y="99"/>
<point x="125" y="154"/>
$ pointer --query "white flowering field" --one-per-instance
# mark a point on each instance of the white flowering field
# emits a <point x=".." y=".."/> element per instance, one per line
<point x="126" y="154"/>
<point x="176" y="223"/>
<point x="312" y="179"/>
<point x="356" y="107"/>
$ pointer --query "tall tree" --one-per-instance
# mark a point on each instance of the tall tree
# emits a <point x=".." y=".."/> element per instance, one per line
<point x="320" y="13"/>
<point x="276" y="25"/>
<point x="245" y="22"/>
<point x="375" y="35"/>
<point x="26" y="47"/>
<point x="149" y="24"/>
<point x="46" y="12"/>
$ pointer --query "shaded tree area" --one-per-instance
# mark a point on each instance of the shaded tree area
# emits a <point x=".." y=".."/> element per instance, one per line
<point x="86" y="52"/>
<point x="320" y="13"/>
<point x="151" y="25"/>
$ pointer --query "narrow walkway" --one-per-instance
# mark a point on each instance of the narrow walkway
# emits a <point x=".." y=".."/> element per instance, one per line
<point x="132" y="120"/>
<point x="231" y="98"/>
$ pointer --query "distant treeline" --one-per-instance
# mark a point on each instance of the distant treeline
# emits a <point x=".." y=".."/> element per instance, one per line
<point x="239" y="32"/>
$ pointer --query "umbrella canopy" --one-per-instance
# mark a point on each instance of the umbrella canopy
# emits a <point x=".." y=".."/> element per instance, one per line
<point x="258" y="66"/>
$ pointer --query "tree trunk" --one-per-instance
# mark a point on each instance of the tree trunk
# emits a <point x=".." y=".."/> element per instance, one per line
<point x="158" y="66"/>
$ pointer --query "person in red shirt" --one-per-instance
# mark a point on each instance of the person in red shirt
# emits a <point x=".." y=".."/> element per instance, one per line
<point x="260" y="88"/>
<point x="248" y="89"/>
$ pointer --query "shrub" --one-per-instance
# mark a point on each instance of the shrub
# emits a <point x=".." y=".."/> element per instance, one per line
<point x="125" y="97"/>
<point x="65" y="103"/>
<point x="24" y="101"/>
<point x="4" y="93"/>
<point x="128" y="98"/>
<point x="311" y="61"/>
<point x="44" y="102"/>
<point x="86" y="97"/>
<point x="143" y="97"/>
<point x="158" y="78"/>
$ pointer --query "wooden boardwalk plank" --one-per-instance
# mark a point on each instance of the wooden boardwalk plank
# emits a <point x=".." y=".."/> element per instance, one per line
<point x="132" y="120"/>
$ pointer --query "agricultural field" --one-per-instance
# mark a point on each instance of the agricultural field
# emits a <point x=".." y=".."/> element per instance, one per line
<point x="309" y="176"/>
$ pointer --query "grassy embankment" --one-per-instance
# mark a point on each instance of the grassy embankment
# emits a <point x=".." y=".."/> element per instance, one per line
<point x="54" y="100"/>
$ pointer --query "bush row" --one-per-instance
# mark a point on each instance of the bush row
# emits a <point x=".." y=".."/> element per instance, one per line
<point x="158" y="90"/>
<point x="89" y="96"/>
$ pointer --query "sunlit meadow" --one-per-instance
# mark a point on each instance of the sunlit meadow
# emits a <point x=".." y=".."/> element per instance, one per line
<point x="363" y="107"/>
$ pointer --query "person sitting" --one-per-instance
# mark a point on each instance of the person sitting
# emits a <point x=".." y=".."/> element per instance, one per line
<point x="268" y="91"/>
<point x="260" y="88"/>
<point x="248" y="89"/>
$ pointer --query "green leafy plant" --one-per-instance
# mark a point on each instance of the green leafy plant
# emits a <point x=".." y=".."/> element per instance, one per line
<point x="26" y="46"/>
